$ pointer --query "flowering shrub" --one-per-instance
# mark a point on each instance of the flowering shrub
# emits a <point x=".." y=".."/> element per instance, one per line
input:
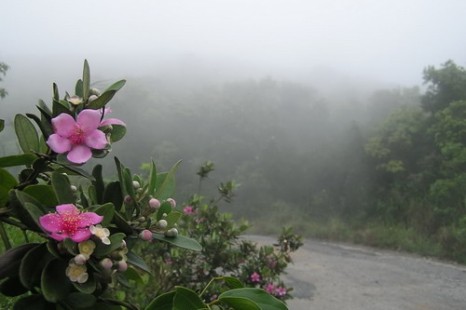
<point x="87" y="229"/>
<point x="224" y="252"/>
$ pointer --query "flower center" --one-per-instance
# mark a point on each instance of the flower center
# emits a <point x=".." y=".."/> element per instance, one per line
<point x="70" y="223"/>
<point x="78" y="136"/>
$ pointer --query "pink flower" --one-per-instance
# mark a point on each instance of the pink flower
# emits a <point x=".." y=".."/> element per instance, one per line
<point x="270" y="288"/>
<point x="188" y="210"/>
<point x="69" y="222"/>
<point x="255" y="277"/>
<point x="77" y="137"/>
<point x="280" y="291"/>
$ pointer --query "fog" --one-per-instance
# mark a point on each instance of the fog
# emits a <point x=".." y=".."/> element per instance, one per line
<point x="266" y="89"/>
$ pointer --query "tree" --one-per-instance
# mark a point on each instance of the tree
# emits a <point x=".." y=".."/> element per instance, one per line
<point x="446" y="85"/>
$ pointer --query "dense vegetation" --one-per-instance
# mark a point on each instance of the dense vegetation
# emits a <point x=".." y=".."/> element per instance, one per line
<point x="390" y="166"/>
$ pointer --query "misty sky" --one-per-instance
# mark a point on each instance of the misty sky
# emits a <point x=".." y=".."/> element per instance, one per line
<point x="388" y="40"/>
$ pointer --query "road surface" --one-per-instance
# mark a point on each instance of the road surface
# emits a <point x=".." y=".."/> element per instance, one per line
<point x="330" y="276"/>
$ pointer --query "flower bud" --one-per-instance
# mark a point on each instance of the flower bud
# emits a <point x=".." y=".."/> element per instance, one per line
<point x="172" y="232"/>
<point x="145" y="235"/>
<point x="122" y="266"/>
<point x="154" y="203"/>
<point x="136" y="185"/>
<point x="106" y="263"/>
<point x="75" y="100"/>
<point x="141" y="219"/>
<point x="80" y="259"/>
<point x="73" y="188"/>
<point x="172" y="202"/>
<point x="162" y="224"/>
<point x="92" y="98"/>
<point x="127" y="199"/>
<point x="94" y="92"/>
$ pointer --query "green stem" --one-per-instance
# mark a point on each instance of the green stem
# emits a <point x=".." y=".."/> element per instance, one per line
<point x="6" y="240"/>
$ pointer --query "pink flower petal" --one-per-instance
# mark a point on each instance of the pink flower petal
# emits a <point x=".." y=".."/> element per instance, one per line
<point x="51" y="222"/>
<point x="79" y="154"/>
<point x="81" y="235"/>
<point x="112" y="121"/>
<point x="64" y="125"/>
<point x="59" y="236"/>
<point x="89" y="120"/>
<point x="58" y="144"/>
<point x="96" y="140"/>
<point x="67" y="209"/>
<point x="87" y="219"/>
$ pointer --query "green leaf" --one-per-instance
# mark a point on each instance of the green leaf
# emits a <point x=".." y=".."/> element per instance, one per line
<point x="32" y="265"/>
<point x="78" y="89"/>
<point x="56" y="95"/>
<point x="55" y="284"/>
<point x="107" y="210"/>
<point x="2" y="125"/>
<point x="179" y="241"/>
<point x="162" y="302"/>
<point x="12" y="287"/>
<point x="165" y="208"/>
<point x="239" y="303"/>
<point x="71" y="169"/>
<point x="172" y="218"/>
<point x="187" y="299"/>
<point x="11" y="259"/>
<point x="107" y="95"/>
<point x="87" y="287"/>
<point x="60" y="106"/>
<point x="27" y="134"/>
<point x="166" y="183"/>
<point x="7" y="182"/>
<point x="32" y="302"/>
<point x="98" y="183"/>
<point x="34" y="209"/>
<point x="78" y="300"/>
<point x="115" y="243"/>
<point x="117" y="133"/>
<point x="137" y="261"/>
<point x="152" y="179"/>
<point x="62" y="187"/>
<point x="17" y="160"/>
<point x="86" y="80"/>
<point x="112" y="194"/>
<point x="44" y="126"/>
<point x="122" y="224"/>
<point x="43" y="193"/>
<point x="261" y="298"/>
<point x="232" y="282"/>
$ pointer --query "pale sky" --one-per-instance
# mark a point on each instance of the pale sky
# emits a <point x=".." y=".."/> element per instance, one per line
<point x="390" y="40"/>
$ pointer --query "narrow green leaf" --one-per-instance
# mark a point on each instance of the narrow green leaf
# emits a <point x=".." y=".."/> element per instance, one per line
<point x="2" y="125"/>
<point x="56" y="95"/>
<point x="187" y="299"/>
<point x="162" y="302"/>
<point x="107" y="95"/>
<point x="172" y="218"/>
<point x="166" y="183"/>
<point x="152" y="178"/>
<point x="60" y="106"/>
<point x="62" y="187"/>
<point x="260" y="297"/>
<point x="122" y="224"/>
<point x="116" y="86"/>
<point x="98" y="183"/>
<point x="54" y="282"/>
<point x="27" y="134"/>
<point x="137" y="261"/>
<point x="232" y="282"/>
<point x="78" y="89"/>
<point x="17" y="160"/>
<point x="112" y="194"/>
<point x="44" y="126"/>
<point x="7" y="182"/>
<point x="179" y="241"/>
<point x="86" y="80"/>
<point x="165" y="208"/>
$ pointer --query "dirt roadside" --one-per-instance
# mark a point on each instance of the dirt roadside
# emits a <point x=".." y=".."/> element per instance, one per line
<point x="329" y="276"/>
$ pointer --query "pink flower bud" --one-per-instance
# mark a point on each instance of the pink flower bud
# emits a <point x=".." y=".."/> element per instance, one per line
<point x="154" y="203"/>
<point x="145" y="235"/>
<point x="80" y="259"/>
<point x="122" y="266"/>
<point x="106" y="263"/>
<point x="127" y="199"/>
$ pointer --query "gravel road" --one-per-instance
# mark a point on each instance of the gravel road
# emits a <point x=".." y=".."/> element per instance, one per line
<point x="330" y="276"/>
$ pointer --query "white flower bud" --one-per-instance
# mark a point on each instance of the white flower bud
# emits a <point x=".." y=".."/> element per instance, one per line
<point x="172" y="232"/>
<point x="162" y="224"/>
